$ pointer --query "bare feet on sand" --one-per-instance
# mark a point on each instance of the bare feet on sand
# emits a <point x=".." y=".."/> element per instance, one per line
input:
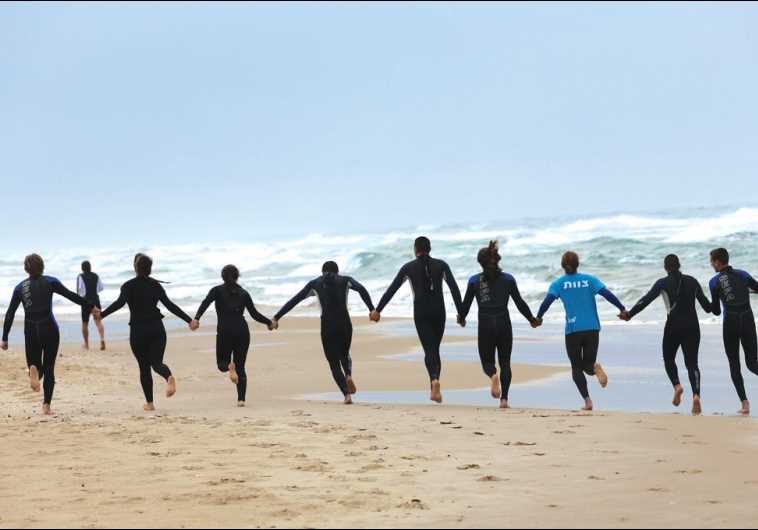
<point x="171" y="389"/>
<point x="504" y="404"/>
<point x="85" y="346"/>
<point x="351" y="385"/>
<point x="496" y="390"/>
<point x="602" y="377"/>
<point x="745" y="411"/>
<point x="46" y="409"/>
<point x="149" y="407"/>
<point x="241" y="404"/>
<point x="436" y="392"/>
<point x="102" y="345"/>
<point x="233" y="377"/>
<point x="678" y="393"/>
<point x="697" y="408"/>
<point x="588" y="405"/>
<point x="34" y="378"/>
<point x="348" y="399"/>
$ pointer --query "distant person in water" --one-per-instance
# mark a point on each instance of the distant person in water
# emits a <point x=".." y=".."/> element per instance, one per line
<point x="233" y="333"/>
<point x="493" y="289"/>
<point x="577" y="292"/>
<point x="679" y="293"/>
<point x="426" y="276"/>
<point x="147" y="334"/>
<point x="89" y="286"/>
<point x="41" y="333"/>
<point x="731" y="289"/>
<point x="332" y="290"/>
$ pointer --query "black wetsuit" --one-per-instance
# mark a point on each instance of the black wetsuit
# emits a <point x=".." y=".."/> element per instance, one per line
<point x="91" y="282"/>
<point x="495" y="329"/>
<point x="233" y="334"/>
<point x="147" y="334"/>
<point x="336" y="328"/>
<point x="426" y="275"/>
<point x="679" y="293"/>
<point x="41" y="333"/>
<point x="731" y="287"/>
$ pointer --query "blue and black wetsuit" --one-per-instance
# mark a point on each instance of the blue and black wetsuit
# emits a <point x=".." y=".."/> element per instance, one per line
<point x="426" y="276"/>
<point x="147" y="334"/>
<point x="41" y="333"/>
<point x="731" y="288"/>
<point x="233" y="334"/>
<point x="495" y="329"/>
<point x="679" y="293"/>
<point x="332" y="291"/>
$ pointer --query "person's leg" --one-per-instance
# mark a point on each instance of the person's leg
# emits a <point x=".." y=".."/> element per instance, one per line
<point x="672" y="339"/>
<point x="732" y="349"/>
<point x="487" y="341"/>
<point x="749" y="342"/>
<point x="333" y="352"/>
<point x="139" y="346"/>
<point x="100" y="330"/>
<point x="347" y="360"/>
<point x="241" y="348"/>
<point x="504" y="351"/>
<point x="33" y="355"/>
<point x="85" y="328"/>
<point x="50" y="345"/>
<point x="156" y="352"/>
<point x="691" y="350"/>
<point x="590" y="348"/>
<point x="574" y="343"/>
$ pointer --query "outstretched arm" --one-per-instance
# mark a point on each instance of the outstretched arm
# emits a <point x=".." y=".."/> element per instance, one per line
<point x="206" y="304"/>
<point x="361" y="290"/>
<point x="605" y="293"/>
<point x="171" y="306"/>
<point x="453" y="286"/>
<point x="60" y="289"/>
<point x="715" y="297"/>
<point x="258" y="317"/>
<point x="304" y="293"/>
<point x="115" y="306"/>
<point x="521" y="305"/>
<point x="646" y="300"/>
<point x="392" y="289"/>
<point x="468" y="300"/>
<point x="546" y="303"/>
<point x="11" y="313"/>
<point x="704" y="302"/>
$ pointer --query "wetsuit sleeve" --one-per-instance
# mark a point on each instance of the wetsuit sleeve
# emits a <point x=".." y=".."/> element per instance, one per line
<point x="299" y="297"/>
<point x="361" y="290"/>
<point x="206" y="304"/>
<point x="115" y="306"/>
<point x="59" y="288"/>
<point x="700" y="295"/>
<point x="258" y="317"/>
<point x="469" y="298"/>
<point x="605" y="293"/>
<point x="171" y="306"/>
<point x="11" y="313"/>
<point x="751" y="283"/>
<point x="453" y="286"/>
<point x="81" y="289"/>
<point x="398" y="282"/>
<point x="715" y="296"/>
<point x="521" y="305"/>
<point x="546" y="303"/>
<point x="648" y="299"/>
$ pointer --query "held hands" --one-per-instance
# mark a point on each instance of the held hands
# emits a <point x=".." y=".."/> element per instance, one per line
<point x="96" y="313"/>
<point x="4" y="345"/>
<point x="375" y="316"/>
<point x="461" y="321"/>
<point x="274" y="325"/>
<point x="194" y="325"/>
<point x="536" y="322"/>
<point x="625" y="316"/>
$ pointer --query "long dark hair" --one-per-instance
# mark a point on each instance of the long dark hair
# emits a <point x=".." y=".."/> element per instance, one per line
<point x="330" y="270"/>
<point x="231" y="274"/>
<point x="143" y="265"/>
<point x="34" y="265"/>
<point x="423" y="247"/>
<point x="489" y="258"/>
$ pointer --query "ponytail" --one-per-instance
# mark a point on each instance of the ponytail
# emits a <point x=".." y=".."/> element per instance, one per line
<point x="489" y="258"/>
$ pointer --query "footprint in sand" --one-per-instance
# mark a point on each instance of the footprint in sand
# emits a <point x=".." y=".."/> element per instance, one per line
<point x="490" y="478"/>
<point x="468" y="466"/>
<point x="413" y="504"/>
<point x="593" y="477"/>
<point x="688" y="472"/>
<point x="658" y="490"/>
<point x="520" y="444"/>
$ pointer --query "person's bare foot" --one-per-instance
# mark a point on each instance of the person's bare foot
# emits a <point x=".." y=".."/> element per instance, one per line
<point x="102" y="345"/>
<point x="233" y="377"/>
<point x="504" y="404"/>
<point x="745" y="411"/>
<point x="348" y="399"/>
<point x="436" y="392"/>
<point x="588" y="405"/>
<point x="678" y="393"/>
<point x="241" y="404"/>
<point x="46" y="410"/>
<point x="697" y="408"/>
<point x="171" y="389"/>
<point x="602" y="377"/>
<point x="351" y="385"/>
<point x="149" y="407"/>
<point x="85" y="346"/>
<point x="496" y="391"/>
<point x="34" y="379"/>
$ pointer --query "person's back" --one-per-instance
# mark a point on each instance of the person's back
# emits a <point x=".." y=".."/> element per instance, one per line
<point x="142" y="296"/>
<point x="732" y="288"/>
<point x="332" y="291"/>
<point x="578" y="293"/>
<point x="37" y="297"/>
<point x="680" y="293"/>
<point x="493" y="295"/>
<point x="90" y="283"/>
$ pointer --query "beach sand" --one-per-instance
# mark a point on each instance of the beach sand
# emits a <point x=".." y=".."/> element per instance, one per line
<point x="283" y="462"/>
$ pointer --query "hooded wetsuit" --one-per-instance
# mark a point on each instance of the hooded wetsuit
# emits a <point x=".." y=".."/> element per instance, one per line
<point x="578" y="293"/>
<point x="731" y="288"/>
<point x="147" y="334"/>
<point x="332" y="291"/>
<point x="41" y="333"/>
<point x="426" y="275"/>
<point x="495" y="329"/>
<point x="233" y="334"/>
<point x="679" y="293"/>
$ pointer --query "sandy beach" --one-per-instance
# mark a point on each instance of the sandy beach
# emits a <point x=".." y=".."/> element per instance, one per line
<point x="285" y="462"/>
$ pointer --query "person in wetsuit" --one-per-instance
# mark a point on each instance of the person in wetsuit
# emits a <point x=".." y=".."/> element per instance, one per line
<point x="41" y="333"/>
<point x="493" y="290"/>
<point x="426" y="275"/>
<point x="332" y="291"/>
<point x="679" y="293"/>
<point x="147" y="334"/>
<point x="233" y="334"/>
<point x="89" y="286"/>
<point x="731" y="288"/>
<point x="578" y="293"/>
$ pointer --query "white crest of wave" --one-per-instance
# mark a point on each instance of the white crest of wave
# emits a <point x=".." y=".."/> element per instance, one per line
<point x="743" y="220"/>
